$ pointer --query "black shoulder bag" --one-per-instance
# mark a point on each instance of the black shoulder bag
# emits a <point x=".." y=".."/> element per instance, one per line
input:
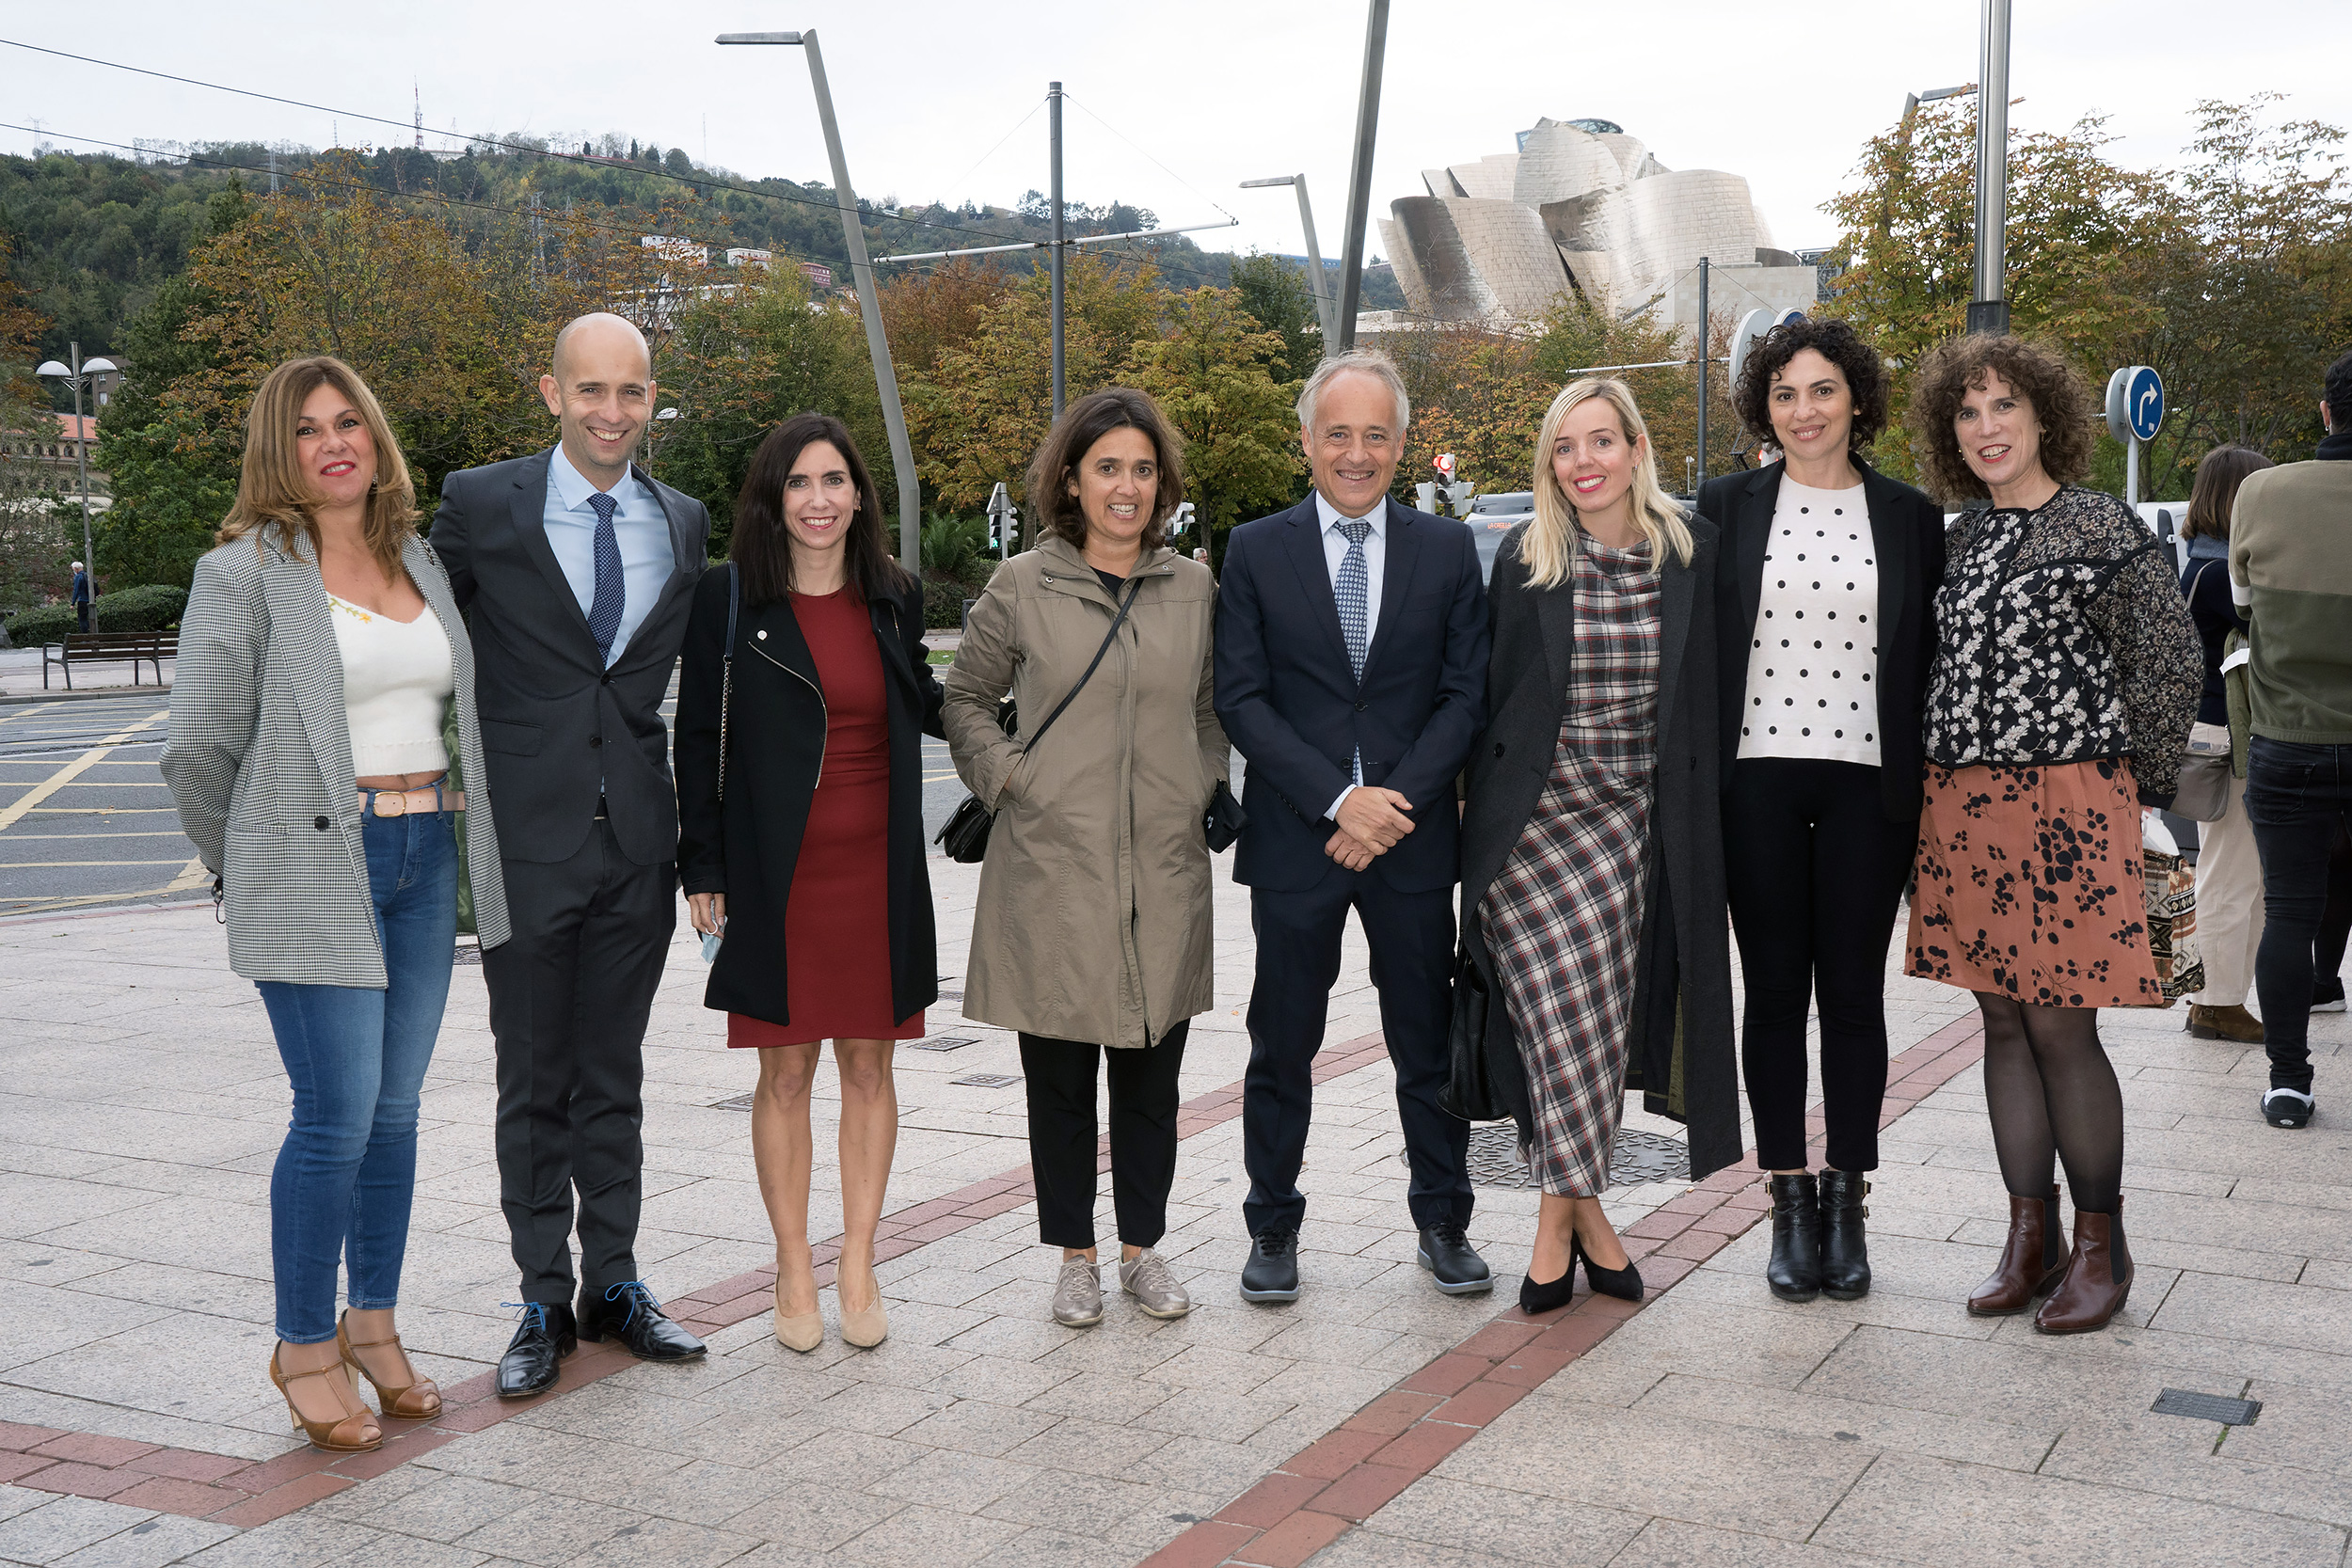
<point x="965" y="834"/>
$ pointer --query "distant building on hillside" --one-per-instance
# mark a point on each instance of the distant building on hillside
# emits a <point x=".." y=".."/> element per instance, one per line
<point x="819" y="276"/>
<point x="1583" y="206"/>
<point x="49" y="457"/>
<point x="685" y="253"/>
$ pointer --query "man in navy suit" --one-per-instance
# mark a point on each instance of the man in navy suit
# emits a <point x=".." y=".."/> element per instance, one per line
<point x="1351" y="673"/>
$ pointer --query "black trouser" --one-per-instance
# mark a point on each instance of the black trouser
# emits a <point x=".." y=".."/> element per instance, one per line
<point x="1411" y="936"/>
<point x="1059" y="1076"/>
<point x="569" y="996"/>
<point x="2297" y="798"/>
<point x="2335" y="920"/>
<point x="1815" y="873"/>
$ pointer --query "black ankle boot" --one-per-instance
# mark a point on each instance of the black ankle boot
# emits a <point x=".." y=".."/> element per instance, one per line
<point x="1795" y="1271"/>
<point x="1845" y="1252"/>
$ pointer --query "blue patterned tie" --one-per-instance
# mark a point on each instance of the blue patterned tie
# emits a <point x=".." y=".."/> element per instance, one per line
<point x="1354" y="594"/>
<point x="604" y="612"/>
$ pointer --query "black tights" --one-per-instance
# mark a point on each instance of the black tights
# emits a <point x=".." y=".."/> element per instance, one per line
<point x="2053" y="1095"/>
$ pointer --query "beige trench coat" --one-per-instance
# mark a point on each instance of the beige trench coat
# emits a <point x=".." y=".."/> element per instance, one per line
<point x="1093" y="915"/>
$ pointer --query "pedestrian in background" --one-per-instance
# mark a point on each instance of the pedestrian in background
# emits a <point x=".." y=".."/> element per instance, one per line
<point x="2228" y="867"/>
<point x="2291" y="569"/>
<point x="2064" y="685"/>
<point x="578" y="569"/>
<point x="800" y="773"/>
<point x="1592" y="839"/>
<point x="1825" y="610"/>
<point x="1092" y="936"/>
<point x="319" y="656"/>
<point x="80" y="595"/>
<point x="1351" y="660"/>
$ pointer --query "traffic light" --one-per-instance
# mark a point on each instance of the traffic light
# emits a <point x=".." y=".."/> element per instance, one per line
<point x="1004" y="521"/>
<point x="1180" y="523"/>
<point x="1458" y="497"/>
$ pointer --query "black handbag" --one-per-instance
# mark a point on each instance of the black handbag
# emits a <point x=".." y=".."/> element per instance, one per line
<point x="1224" y="820"/>
<point x="964" y="835"/>
<point x="1470" y="1090"/>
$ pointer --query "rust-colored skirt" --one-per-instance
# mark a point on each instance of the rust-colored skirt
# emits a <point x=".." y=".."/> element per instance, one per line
<point x="2030" y="885"/>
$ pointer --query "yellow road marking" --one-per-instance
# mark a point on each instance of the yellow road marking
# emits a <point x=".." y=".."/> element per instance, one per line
<point x="12" y="814"/>
<point x="28" y="712"/>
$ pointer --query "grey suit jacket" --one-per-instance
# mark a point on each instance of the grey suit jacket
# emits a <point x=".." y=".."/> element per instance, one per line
<point x="559" y="726"/>
<point x="258" y="759"/>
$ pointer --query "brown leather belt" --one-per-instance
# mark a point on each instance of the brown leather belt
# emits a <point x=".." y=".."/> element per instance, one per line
<point x="410" y="802"/>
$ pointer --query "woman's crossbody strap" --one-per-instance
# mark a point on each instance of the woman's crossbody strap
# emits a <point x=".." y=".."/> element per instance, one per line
<point x="1108" y="637"/>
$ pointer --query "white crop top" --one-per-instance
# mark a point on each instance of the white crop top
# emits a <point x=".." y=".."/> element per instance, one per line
<point x="398" y="677"/>
<point x="1813" y="663"/>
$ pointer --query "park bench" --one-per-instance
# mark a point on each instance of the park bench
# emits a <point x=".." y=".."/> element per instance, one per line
<point x="85" y="647"/>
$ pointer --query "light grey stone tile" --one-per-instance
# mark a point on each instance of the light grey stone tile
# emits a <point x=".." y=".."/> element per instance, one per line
<point x="408" y="1551"/>
<point x="1372" y="1547"/>
<point x="1048" y="1547"/>
<point x="150" y="1543"/>
<point x="1517" y="1526"/>
<point x="1973" y="1516"/>
<point x="1090" y="1447"/>
<point x="1673" y="1544"/>
<point x="1733" y="1343"/>
<point x="814" y="1518"/>
<point x="64" y="1525"/>
<point x="1210" y="1413"/>
<point x="298" y="1538"/>
<point x="2179" y="1458"/>
<point x="877" y="1408"/>
<point x="705" y="1492"/>
<point x="442" y="1508"/>
<point x="1876" y="1426"/>
<point x="844" y="1459"/>
<point x="920" y="1536"/>
<point x="975" y="1426"/>
<point x="964" y="1482"/>
<point x="2260" y="1310"/>
<point x="666" y="1544"/>
<point x="550" y="1529"/>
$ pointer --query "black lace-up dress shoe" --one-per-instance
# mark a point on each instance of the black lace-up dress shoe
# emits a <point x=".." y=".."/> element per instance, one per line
<point x="629" y="1313"/>
<point x="547" y="1334"/>
<point x="1451" y="1260"/>
<point x="1272" y="1271"/>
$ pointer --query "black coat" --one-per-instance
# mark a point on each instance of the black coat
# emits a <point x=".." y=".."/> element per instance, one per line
<point x="1907" y="545"/>
<point x="775" y="740"/>
<point x="1682" y="1058"/>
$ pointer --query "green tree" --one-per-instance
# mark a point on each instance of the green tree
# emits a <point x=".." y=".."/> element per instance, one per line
<point x="1239" y="424"/>
<point x="1276" y="294"/>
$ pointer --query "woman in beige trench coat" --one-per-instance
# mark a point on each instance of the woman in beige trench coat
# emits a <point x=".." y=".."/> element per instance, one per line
<point x="1093" y="929"/>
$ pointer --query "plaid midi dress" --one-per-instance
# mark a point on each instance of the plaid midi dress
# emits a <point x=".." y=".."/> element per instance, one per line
<point x="1563" y="917"/>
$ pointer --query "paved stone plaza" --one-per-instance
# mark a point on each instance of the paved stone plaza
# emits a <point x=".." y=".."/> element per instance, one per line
<point x="1373" y="1421"/>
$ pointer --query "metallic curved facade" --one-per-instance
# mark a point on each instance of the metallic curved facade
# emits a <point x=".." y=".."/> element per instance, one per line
<point x="1591" y="211"/>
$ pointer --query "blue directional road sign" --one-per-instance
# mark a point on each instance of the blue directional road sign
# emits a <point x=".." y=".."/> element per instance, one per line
<point x="2143" y="405"/>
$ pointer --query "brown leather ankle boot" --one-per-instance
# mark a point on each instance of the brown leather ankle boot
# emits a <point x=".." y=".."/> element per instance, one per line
<point x="2098" y="1276"/>
<point x="2032" y="1262"/>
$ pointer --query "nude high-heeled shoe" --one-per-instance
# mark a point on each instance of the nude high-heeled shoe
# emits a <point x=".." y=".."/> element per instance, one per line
<point x="803" y="1332"/>
<point x="867" y="1327"/>
<point x="354" y="1434"/>
<point x="418" y="1400"/>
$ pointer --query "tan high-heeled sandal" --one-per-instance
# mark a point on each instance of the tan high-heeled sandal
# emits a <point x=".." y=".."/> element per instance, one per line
<point x="803" y="1332"/>
<point x="345" y="1434"/>
<point x="419" y="1401"/>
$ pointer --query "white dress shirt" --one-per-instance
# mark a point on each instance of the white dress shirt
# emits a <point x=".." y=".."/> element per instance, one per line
<point x="1375" y="562"/>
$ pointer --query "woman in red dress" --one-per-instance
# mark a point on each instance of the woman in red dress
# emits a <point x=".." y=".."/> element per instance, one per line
<point x="800" y="775"/>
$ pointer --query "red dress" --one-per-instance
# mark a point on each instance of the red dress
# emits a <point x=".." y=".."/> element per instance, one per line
<point x="836" y="921"/>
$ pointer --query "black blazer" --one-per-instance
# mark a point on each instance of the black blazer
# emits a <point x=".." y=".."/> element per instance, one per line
<point x="1295" y="710"/>
<point x="1907" y="546"/>
<point x="1681" y="1056"/>
<point x="556" y="724"/>
<point x="747" y="847"/>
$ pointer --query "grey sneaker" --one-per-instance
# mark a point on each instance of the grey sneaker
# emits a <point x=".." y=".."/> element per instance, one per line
<point x="1078" y="1294"/>
<point x="1146" y="1277"/>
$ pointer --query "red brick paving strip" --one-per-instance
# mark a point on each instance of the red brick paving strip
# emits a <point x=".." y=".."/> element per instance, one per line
<point x="1342" y="1478"/>
<point x="1318" y="1494"/>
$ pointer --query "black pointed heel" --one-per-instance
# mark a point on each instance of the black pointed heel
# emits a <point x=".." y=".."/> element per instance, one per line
<point x="1550" y="1297"/>
<point x="1625" y="1284"/>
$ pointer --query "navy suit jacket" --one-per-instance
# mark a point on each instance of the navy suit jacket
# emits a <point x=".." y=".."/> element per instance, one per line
<point x="1292" y="707"/>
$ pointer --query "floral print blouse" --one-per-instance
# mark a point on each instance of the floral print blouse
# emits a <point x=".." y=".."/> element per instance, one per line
<point x="2060" y="636"/>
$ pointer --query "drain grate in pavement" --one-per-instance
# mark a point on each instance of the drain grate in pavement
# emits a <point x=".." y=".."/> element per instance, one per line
<point x="1639" y="1157"/>
<point x="2208" y="1407"/>
<point x="733" y="1102"/>
<point x="987" y="1080"/>
<point x="945" y="1042"/>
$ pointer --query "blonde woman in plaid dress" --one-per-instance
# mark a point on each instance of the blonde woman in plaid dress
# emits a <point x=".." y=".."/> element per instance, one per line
<point x="1603" y="741"/>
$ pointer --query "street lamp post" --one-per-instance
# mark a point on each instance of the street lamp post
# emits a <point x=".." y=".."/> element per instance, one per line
<point x="861" y="271"/>
<point x="1988" y="310"/>
<point x="1327" y="308"/>
<point x="74" y="376"/>
<point x="1359" y="174"/>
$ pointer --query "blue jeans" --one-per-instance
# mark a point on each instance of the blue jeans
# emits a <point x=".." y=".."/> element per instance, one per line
<point x="2297" y="798"/>
<point x="347" y="1170"/>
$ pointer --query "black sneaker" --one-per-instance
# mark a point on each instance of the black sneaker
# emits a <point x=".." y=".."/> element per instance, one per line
<point x="1272" y="1271"/>
<point x="1457" y="1269"/>
<point x="2288" y="1108"/>
<point x="2328" y="995"/>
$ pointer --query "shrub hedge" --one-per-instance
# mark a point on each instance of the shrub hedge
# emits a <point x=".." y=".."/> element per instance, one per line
<point x="155" y="607"/>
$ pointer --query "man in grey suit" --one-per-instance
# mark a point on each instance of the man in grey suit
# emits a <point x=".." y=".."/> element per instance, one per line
<point x="577" y="570"/>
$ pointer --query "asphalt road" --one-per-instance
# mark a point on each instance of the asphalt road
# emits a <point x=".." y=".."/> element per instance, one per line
<point x="87" y="821"/>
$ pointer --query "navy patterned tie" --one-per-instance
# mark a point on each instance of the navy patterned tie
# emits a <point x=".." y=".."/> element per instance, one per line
<point x="604" y="612"/>
<point x="1354" y="594"/>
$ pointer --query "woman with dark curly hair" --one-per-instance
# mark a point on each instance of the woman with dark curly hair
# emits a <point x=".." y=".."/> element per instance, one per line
<point x="2065" y="681"/>
<point x="1824" y="608"/>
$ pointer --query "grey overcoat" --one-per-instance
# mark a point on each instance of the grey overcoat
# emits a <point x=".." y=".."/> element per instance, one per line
<point x="258" y="759"/>
<point x="1682" y="1058"/>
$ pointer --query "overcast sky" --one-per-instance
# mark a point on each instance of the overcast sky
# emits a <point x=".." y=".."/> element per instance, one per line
<point x="1216" y="90"/>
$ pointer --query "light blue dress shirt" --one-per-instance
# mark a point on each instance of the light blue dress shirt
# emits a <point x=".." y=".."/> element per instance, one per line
<point x="639" y="523"/>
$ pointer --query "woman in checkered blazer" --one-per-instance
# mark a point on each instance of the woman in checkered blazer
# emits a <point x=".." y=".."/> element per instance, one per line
<point x="320" y="657"/>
